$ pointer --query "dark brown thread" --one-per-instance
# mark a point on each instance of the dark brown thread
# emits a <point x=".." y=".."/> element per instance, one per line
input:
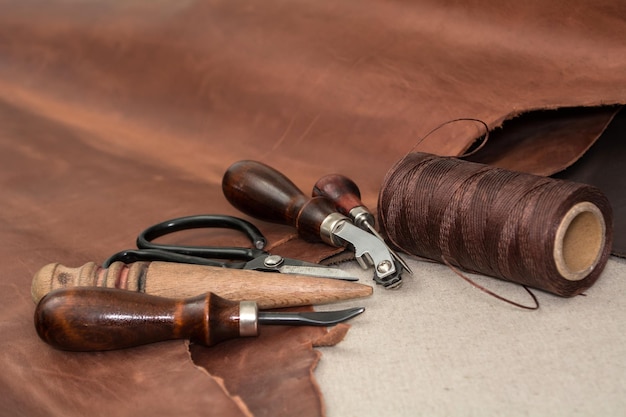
<point x="493" y="294"/>
<point x="485" y="219"/>
<point x="477" y="148"/>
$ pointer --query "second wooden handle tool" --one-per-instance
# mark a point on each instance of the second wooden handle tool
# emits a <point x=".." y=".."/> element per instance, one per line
<point x="95" y="319"/>
<point x="265" y="193"/>
<point x="346" y="196"/>
<point x="174" y="280"/>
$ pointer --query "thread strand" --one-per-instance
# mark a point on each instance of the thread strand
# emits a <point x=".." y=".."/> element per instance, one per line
<point x="536" y="231"/>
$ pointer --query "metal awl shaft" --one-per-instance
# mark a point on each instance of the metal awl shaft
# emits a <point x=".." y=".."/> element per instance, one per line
<point x="315" y="318"/>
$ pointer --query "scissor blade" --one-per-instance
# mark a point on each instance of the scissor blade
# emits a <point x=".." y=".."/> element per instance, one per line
<point x="276" y="263"/>
<point x="317" y="271"/>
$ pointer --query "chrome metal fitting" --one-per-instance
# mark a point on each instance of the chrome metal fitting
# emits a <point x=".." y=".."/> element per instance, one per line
<point x="330" y="225"/>
<point x="360" y="216"/>
<point x="248" y="318"/>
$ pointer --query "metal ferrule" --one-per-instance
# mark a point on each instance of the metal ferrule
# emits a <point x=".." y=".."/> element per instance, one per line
<point x="360" y="216"/>
<point x="328" y="227"/>
<point x="248" y="318"/>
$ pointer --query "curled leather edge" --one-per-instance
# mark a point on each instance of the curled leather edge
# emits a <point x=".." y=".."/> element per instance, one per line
<point x="543" y="141"/>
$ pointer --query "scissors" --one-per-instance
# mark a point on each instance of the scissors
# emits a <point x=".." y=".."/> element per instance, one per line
<point x="254" y="258"/>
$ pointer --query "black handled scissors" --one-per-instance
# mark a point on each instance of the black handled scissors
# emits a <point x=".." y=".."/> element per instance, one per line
<point x="254" y="258"/>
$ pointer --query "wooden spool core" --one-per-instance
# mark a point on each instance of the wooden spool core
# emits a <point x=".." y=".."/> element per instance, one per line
<point x="579" y="241"/>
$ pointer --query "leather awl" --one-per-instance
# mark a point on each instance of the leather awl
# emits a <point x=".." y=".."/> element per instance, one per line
<point x="174" y="280"/>
<point x="95" y="319"/>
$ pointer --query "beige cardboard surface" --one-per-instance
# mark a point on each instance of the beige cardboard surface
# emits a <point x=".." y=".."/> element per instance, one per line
<point x="440" y="347"/>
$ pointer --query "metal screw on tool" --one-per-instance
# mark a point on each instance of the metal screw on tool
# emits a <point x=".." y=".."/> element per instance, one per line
<point x="383" y="267"/>
<point x="273" y="261"/>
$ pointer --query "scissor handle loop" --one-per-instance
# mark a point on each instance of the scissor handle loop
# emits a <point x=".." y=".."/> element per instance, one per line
<point x="149" y="250"/>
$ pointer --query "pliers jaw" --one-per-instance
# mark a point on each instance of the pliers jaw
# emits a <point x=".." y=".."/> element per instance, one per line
<point x="369" y="251"/>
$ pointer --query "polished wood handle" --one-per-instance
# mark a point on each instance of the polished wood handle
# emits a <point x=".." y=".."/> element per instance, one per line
<point x="95" y="319"/>
<point x="266" y="194"/>
<point x="339" y="189"/>
<point x="174" y="280"/>
<point x="346" y="196"/>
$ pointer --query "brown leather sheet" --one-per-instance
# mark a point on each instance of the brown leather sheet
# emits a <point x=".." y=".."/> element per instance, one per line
<point x="115" y="115"/>
<point x="603" y="166"/>
<point x="545" y="142"/>
<point x="583" y="144"/>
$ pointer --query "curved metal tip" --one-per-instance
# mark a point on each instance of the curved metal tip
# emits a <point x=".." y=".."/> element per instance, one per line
<point x="401" y="261"/>
<point x="314" y="318"/>
<point x="330" y="318"/>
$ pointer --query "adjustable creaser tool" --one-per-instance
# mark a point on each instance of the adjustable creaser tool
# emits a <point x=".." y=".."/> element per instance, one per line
<point x="266" y="194"/>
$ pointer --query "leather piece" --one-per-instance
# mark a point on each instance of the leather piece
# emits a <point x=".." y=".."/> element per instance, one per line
<point x="83" y="205"/>
<point x="116" y="115"/>
<point x="276" y="389"/>
<point x="545" y="142"/>
<point x="39" y="381"/>
<point x="603" y="167"/>
<point x="65" y="200"/>
<point x="310" y="83"/>
<point x="333" y="336"/>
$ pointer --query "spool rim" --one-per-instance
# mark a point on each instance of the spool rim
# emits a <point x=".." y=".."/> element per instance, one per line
<point x="579" y="241"/>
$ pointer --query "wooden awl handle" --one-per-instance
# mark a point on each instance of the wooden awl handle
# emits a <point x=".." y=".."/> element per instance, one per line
<point x="174" y="280"/>
<point x="94" y="319"/>
<point x="266" y="194"/>
<point x="346" y="196"/>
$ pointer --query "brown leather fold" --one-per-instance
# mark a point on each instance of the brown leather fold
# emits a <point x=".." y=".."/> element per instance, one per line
<point x="270" y="389"/>
<point x="117" y="115"/>
<point x="545" y="142"/>
<point x="603" y="166"/>
<point x="578" y="144"/>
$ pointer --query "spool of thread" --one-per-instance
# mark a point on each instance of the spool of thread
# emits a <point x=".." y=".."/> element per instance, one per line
<point x="537" y="231"/>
